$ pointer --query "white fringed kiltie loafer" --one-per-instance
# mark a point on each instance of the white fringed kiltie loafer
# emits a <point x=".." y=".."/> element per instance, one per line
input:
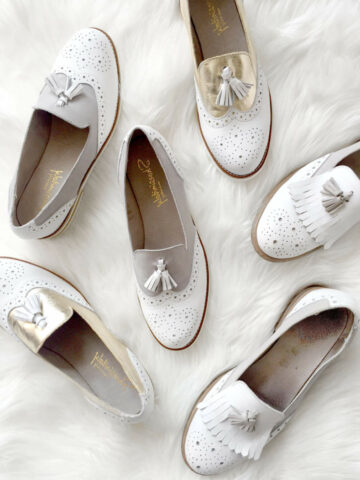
<point x="233" y="100"/>
<point x="313" y="207"/>
<point x="244" y="409"/>
<point x="53" y="319"/>
<point x="168" y="256"/>
<point x="72" y="122"/>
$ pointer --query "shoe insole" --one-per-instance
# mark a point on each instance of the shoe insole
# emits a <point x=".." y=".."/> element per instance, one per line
<point x="217" y="28"/>
<point x="61" y="153"/>
<point x="153" y="217"/>
<point x="352" y="161"/>
<point x="281" y="372"/>
<point x="76" y="350"/>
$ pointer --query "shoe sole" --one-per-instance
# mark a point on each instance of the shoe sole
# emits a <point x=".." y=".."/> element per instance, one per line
<point x="261" y="164"/>
<point x="203" y="315"/>
<point x="65" y="224"/>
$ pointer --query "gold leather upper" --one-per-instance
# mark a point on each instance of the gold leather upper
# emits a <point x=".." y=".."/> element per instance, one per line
<point x="209" y="80"/>
<point x="58" y="309"/>
<point x="54" y="307"/>
<point x="208" y="72"/>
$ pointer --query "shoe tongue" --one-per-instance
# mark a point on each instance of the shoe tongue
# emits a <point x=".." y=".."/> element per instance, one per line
<point x="146" y="261"/>
<point x="210" y="79"/>
<point x="243" y="398"/>
<point x="239" y="419"/>
<point x="347" y="179"/>
<point x="41" y="314"/>
<point x="327" y="204"/>
<point x="75" y="112"/>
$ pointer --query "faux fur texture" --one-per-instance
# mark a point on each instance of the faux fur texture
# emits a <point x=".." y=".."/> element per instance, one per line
<point x="310" y="53"/>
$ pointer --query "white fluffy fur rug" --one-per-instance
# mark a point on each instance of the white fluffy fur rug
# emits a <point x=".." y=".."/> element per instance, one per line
<point x="310" y="51"/>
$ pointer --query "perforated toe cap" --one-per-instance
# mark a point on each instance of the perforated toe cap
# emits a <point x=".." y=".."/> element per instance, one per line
<point x="175" y="317"/>
<point x="240" y="148"/>
<point x="238" y="141"/>
<point x="203" y="453"/>
<point x="280" y="233"/>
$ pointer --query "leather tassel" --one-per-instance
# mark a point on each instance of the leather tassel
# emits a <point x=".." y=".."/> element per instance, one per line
<point x="229" y="87"/>
<point x="160" y="274"/>
<point x="334" y="197"/>
<point x="70" y="91"/>
<point x="245" y="420"/>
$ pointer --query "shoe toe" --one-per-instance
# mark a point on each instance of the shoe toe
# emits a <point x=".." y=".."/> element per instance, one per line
<point x="18" y="277"/>
<point x="175" y="327"/>
<point x="89" y="55"/>
<point x="203" y="453"/>
<point x="279" y="233"/>
<point x="238" y="141"/>
<point x="175" y="317"/>
<point x="240" y="149"/>
<point x="11" y="273"/>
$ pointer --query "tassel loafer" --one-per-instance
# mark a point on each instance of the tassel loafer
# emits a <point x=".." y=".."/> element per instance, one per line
<point x="244" y="409"/>
<point x="313" y="207"/>
<point x="232" y="95"/>
<point x="72" y="123"/>
<point x="169" y="259"/>
<point x="54" y="321"/>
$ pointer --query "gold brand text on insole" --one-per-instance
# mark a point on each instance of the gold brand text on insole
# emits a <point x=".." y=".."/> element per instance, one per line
<point x="216" y="18"/>
<point x="157" y="192"/>
<point x="54" y="178"/>
<point x="102" y="364"/>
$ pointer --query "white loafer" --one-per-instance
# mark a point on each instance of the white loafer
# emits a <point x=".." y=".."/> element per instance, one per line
<point x="313" y="207"/>
<point x="53" y="319"/>
<point x="233" y="100"/>
<point x="169" y="259"/>
<point x="245" y="408"/>
<point x="71" y="124"/>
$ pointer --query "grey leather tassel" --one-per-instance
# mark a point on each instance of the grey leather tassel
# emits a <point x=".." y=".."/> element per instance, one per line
<point x="334" y="197"/>
<point x="245" y="420"/>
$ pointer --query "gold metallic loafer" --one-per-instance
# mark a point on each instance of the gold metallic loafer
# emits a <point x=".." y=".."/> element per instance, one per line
<point x="53" y="319"/>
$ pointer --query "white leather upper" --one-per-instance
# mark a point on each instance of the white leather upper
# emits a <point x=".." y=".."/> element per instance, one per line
<point x="204" y="454"/>
<point x="335" y="298"/>
<point x="238" y="140"/>
<point x="174" y="317"/>
<point x="211" y="443"/>
<point x="49" y="227"/>
<point x="280" y="233"/>
<point x="18" y="278"/>
<point x="288" y="228"/>
<point x="88" y="57"/>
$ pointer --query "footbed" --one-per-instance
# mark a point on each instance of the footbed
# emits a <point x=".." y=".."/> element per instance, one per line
<point x="282" y="371"/>
<point x="217" y="28"/>
<point x="76" y="350"/>
<point x="153" y="217"/>
<point x="61" y="153"/>
<point x="352" y="161"/>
